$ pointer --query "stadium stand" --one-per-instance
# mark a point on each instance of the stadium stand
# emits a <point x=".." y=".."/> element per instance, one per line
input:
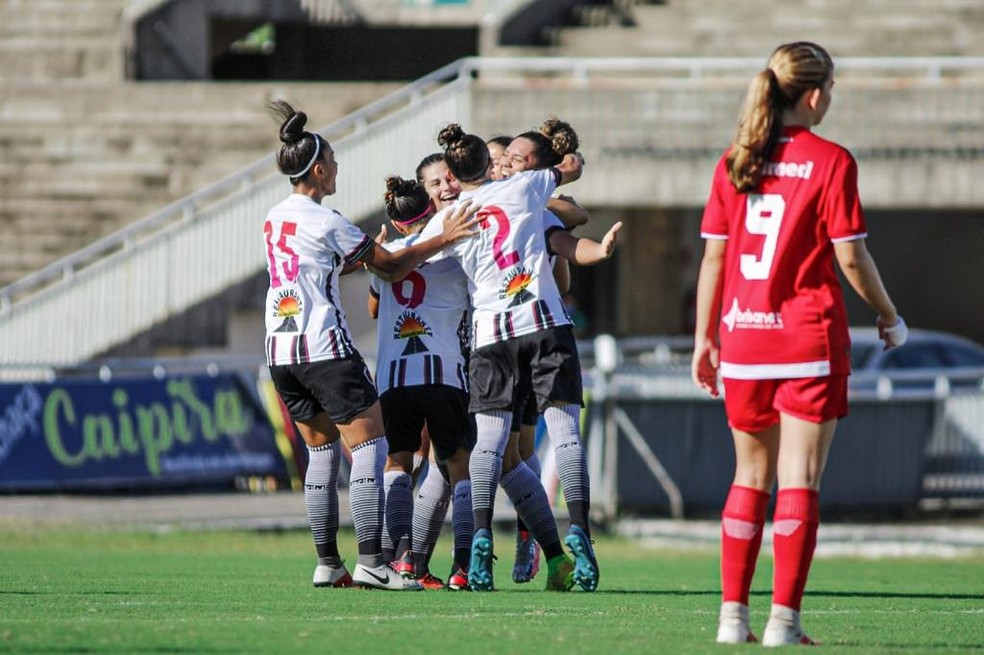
<point x="86" y="151"/>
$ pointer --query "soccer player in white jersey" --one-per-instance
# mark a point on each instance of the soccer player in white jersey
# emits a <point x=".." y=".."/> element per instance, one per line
<point x="771" y="318"/>
<point x="315" y="368"/>
<point x="521" y="339"/>
<point x="421" y="376"/>
<point x="530" y="151"/>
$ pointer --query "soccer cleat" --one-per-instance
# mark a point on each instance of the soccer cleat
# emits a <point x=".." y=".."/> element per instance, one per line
<point x="560" y="573"/>
<point x="585" y="565"/>
<point x="783" y="629"/>
<point x="527" y="557"/>
<point x="382" y="577"/>
<point x="733" y="624"/>
<point x="331" y="576"/>
<point x="404" y="564"/>
<point x="458" y="580"/>
<point x="430" y="581"/>
<point x="480" y="565"/>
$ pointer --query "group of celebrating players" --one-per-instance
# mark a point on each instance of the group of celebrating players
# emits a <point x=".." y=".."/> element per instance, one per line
<point x="474" y="343"/>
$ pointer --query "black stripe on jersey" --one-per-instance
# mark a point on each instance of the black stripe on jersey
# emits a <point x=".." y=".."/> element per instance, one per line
<point x="392" y="374"/>
<point x="402" y="375"/>
<point x="360" y="250"/>
<point x="497" y="327"/>
<point x="538" y="316"/>
<point x="347" y="346"/>
<point x="345" y="349"/>
<point x="302" y="350"/>
<point x="333" y="344"/>
<point x="510" y="330"/>
<point x="272" y="349"/>
<point x="293" y="350"/>
<point x="558" y="176"/>
<point x="549" y="320"/>
<point x="428" y="378"/>
<point x="438" y="369"/>
<point x="460" y="370"/>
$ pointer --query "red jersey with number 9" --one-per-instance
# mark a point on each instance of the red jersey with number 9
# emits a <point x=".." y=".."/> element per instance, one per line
<point x="782" y="309"/>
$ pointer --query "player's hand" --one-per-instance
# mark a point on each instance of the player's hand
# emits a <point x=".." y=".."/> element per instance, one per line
<point x="381" y="237"/>
<point x="893" y="335"/>
<point x="704" y="367"/>
<point x="608" y="242"/>
<point x="459" y="224"/>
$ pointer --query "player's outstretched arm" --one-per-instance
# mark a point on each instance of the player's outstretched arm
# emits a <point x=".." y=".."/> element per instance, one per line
<point x="583" y="251"/>
<point x="458" y="225"/>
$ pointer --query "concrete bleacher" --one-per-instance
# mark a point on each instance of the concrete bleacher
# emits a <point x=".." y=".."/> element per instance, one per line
<point x="729" y="28"/>
<point x="84" y="152"/>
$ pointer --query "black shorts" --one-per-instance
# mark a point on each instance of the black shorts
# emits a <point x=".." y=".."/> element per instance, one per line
<point x="443" y="408"/>
<point x="524" y="412"/>
<point x="545" y="361"/>
<point x="342" y="388"/>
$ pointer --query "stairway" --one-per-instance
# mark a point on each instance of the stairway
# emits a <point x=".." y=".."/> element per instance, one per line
<point x="84" y="152"/>
<point x="752" y="27"/>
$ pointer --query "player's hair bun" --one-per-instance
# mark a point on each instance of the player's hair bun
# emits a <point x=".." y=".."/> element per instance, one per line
<point x="563" y="138"/>
<point x="450" y="136"/>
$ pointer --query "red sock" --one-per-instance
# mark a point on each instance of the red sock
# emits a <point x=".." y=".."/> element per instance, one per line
<point x="794" y="539"/>
<point x="741" y="537"/>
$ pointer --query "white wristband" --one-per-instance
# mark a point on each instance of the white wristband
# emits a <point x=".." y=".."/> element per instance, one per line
<point x="896" y="335"/>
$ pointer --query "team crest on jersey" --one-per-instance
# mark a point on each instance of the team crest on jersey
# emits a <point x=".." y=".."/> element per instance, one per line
<point x="411" y="327"/>
<point x="514" y="288"/>
<point x="287" y="305"/>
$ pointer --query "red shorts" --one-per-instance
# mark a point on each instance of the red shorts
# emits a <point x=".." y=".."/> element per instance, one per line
<point x="754" y="405"/>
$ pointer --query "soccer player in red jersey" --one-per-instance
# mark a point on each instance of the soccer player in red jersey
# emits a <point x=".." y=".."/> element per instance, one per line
<point x="771" y="320"/>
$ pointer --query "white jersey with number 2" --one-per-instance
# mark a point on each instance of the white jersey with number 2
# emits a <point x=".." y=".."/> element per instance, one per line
<point x="509" y="277"/>
<point x="306" y="247"/>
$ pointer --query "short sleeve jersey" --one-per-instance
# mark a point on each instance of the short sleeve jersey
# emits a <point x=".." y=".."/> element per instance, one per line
<point x="306" y="247"/>
<point x="782" y="308"/>
<point x="420" y="318"/>
<point x="509" y="278"/>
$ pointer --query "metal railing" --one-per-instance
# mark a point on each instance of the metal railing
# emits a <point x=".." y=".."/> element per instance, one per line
<point x="194" y="248"/>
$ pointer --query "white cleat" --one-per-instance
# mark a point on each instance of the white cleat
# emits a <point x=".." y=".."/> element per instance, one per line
<point x="382" y="577"/>
<point x="783" y="629"/>
<point x="733" y="624"/>
<point x="331" y="576"/>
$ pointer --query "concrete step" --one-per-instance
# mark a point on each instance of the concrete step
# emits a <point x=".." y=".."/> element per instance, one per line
<point x="725" y="28"/>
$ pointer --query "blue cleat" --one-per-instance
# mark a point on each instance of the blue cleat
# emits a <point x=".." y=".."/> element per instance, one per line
<point x="585" y="564"/>
<point x="480" y="565"/>
<point x="527" y="557"/>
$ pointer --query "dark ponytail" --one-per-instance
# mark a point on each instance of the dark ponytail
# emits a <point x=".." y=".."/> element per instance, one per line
<point x="300" y="149"/>
<point x="466" y="155"/>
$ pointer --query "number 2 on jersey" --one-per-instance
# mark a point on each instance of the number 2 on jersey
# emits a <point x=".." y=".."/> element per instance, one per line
<point x="763" y="215"/>
<point x="502" y="259"/>
<point x="291" y="268"/>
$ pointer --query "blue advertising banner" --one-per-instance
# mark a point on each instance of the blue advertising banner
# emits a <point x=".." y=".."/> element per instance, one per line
<point x="142" y="432"/>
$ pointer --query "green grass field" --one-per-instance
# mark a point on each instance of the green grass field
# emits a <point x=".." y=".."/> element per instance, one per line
<point x="82" y="591"/>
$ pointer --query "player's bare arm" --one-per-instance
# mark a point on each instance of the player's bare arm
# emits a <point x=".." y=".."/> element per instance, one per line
<point x="459" y="224"/>
<point x="583" y="251"/>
